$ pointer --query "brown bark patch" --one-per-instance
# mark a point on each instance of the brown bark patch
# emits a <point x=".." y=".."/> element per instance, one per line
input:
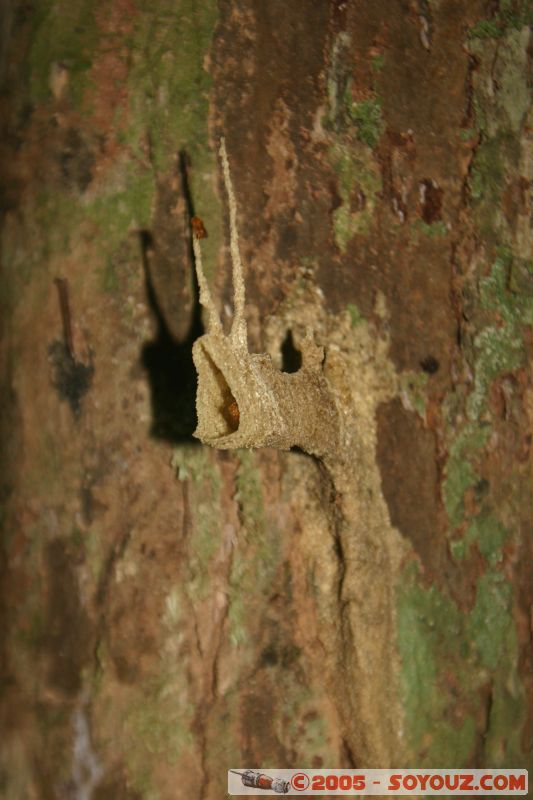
<point x="265" y="105"/>
<point x="406" y="455"/>
<point x="68" y="639"/>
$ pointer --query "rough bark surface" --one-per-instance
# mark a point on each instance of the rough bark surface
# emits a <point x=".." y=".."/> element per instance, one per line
<point x="168" y="610"/>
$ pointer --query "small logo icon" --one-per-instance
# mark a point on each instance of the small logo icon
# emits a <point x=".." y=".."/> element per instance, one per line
<point x="261" y="781"/>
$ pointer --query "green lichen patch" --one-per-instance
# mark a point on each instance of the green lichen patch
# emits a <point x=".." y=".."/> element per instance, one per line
<point x="168" y="89"/>
<point x="157" y="725"/>
<point x="65" y="32"/>
<point x="303" y="727"/>
<point x="501" y="99"/>
<point x="487" y="29"/>
<point x="121" y="208"/>
<point x="479" y="112"/>
<point x="429" y="628"/>
<point x="488" y="626"/>
<point x="515" y="308"/>
<point x="412" y="387"/>
<point x="378" y="62"/>
<point x="359" y="183"/>
<point x="356" y="128"/>
<point x="433" y="230"/>
<point x="467" y="134"/>
<point x="488" y="534"/>
<point x="249" y="495"/>
<point x="337" y="81"/>
<point x="104" y="219"/>
<point x="498" y="347"/>
<point x="460" y="476"/>
<point x="118" y="209"/>
<point x="503" y="737"/>
<point x="458" y="549"/>
<point x="501" y="91"/>
<point x="488" y="170"/>
<point x="168" y="81"/>
<point x="166" y="104"/>
<point x="158" y="714"/>
<point x="453" y="743"/>
<point x="511" y="15"/>
<point x="355" y="315"/>
<point x="368" y="120"/>
<point x="51" y="239"/>
<point x="513" y="97"/>
<point x="460" y="473"/>
<point x="223" y="744"/>
<point x="193" y="464"/>
<point x="198" y="466"/>
<point x="256" y="555"/>
<point x="109" y="218"/>
<point x="521" y="276"/>
<point x="447" y="657"/>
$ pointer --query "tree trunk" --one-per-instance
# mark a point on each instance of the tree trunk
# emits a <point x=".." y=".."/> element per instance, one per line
<point x="170" y="610"/>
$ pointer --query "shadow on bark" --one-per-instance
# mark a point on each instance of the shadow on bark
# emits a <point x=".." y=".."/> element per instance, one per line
<point x="168" y="362"/>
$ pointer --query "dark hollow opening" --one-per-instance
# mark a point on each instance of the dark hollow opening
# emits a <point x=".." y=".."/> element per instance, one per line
<point x="291" y="358"/>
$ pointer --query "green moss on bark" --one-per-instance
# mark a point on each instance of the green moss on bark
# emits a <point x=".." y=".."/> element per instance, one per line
<point x="168" y="88"/>
<point x="65" y="33"/>
<point x="359" y="183"/>
<point x="257" y="553"/>
<point x="447" y="657"/>
<point x="366" y="115"/>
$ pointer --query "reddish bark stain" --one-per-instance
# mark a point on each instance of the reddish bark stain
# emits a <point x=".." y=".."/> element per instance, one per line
<point x="109" y="69"/>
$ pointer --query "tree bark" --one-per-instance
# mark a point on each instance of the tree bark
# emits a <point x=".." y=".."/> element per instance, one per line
<point x="170" y="610"/>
